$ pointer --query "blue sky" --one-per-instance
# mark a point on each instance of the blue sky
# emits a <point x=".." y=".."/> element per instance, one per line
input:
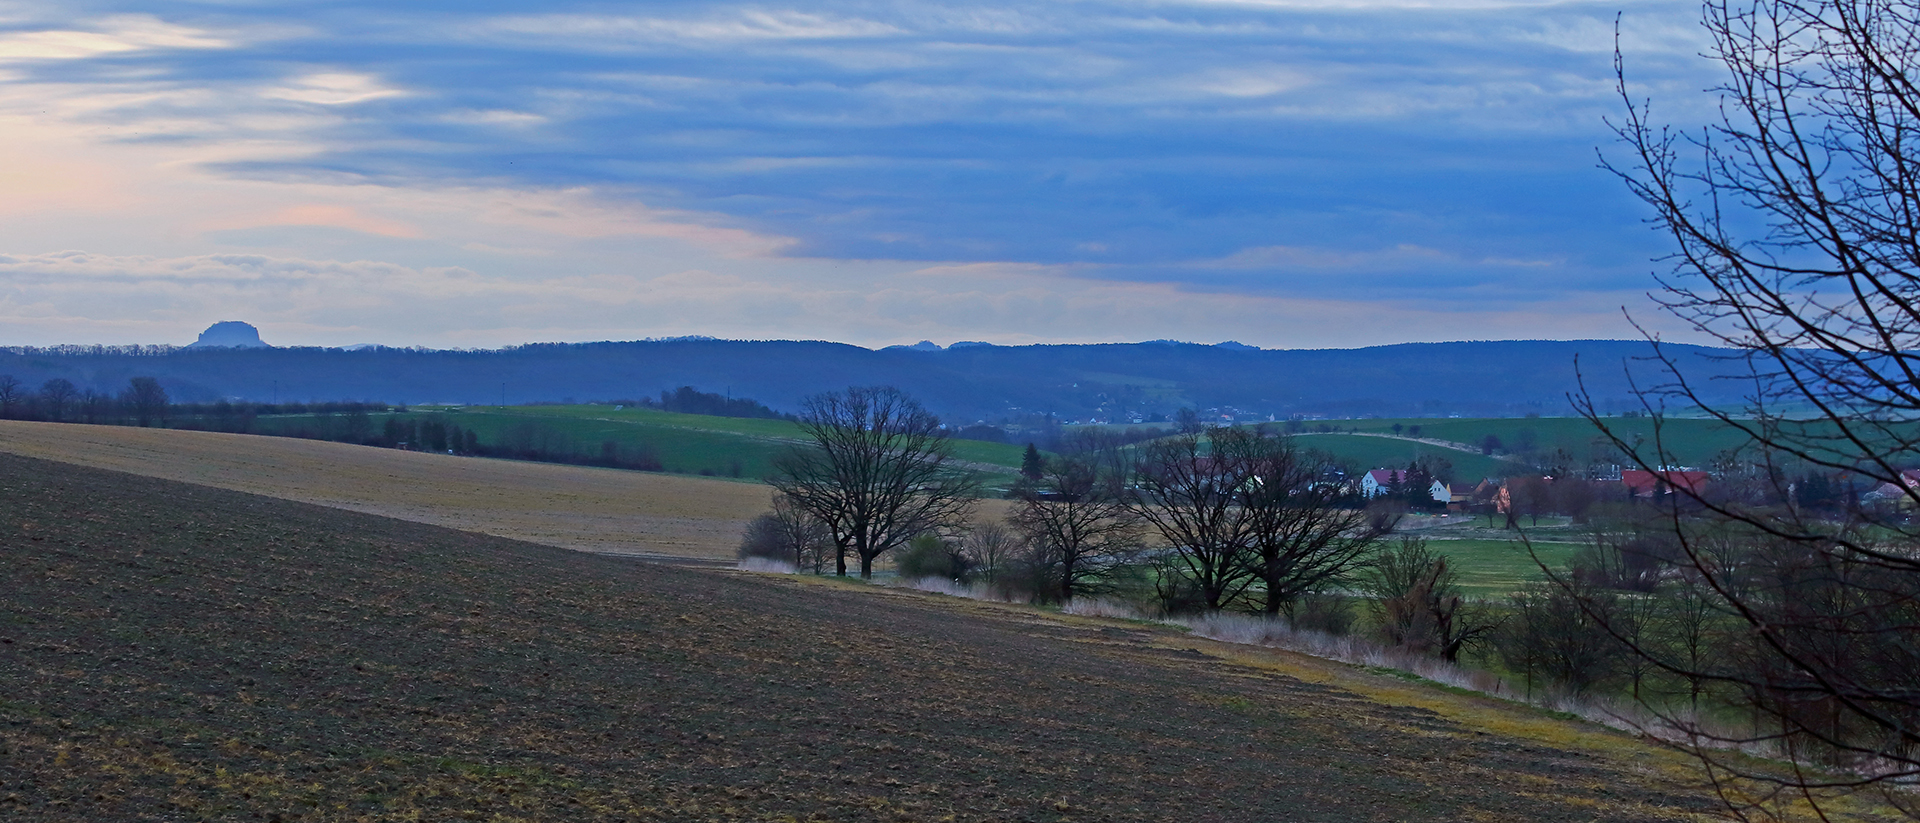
<point x="1287" y="174"/>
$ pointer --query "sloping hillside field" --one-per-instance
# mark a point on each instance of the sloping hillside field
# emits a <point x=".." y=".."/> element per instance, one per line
<point x="178" y="652"/>
<point x="597" y="510"/>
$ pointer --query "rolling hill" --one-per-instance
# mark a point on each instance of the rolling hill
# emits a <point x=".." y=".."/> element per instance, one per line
<point x="1490" y="379"/>
<point x="596" y="510"/>
<point x="171" y="651"/>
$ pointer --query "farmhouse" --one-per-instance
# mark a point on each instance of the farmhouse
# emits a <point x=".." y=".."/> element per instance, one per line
<point x="1378" y="481"/>
<point x="1642" y="483"/>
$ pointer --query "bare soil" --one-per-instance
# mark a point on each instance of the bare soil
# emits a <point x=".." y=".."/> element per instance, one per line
<point x="596" y="510"/>
<point x="178" y="652"/>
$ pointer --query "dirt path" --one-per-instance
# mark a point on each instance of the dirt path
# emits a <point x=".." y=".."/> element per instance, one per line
<point x="1445" y="444"/>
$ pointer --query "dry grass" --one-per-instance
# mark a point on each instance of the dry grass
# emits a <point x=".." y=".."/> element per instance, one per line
<point x="596" y="510"/>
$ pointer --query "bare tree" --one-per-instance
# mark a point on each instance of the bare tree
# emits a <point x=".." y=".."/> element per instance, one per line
<point x="1188" y="489"/>
<point x="1793" y="221"/>
<point x="145" y="399"/>
<point x="56" y="395"/>
<point x="991" y="546"/>
<point x="10" y="394"/>
<point x="764" y="538"/>
<point x="1530" y="495"/>
<point x="1417" y="600"/>
<point x="878" y="470"/>
<point x="1298" y="538"/>
<point x="1574" y="496"/>
<point x="1563" y="632"/>
<point x="1077" y="521"/>
<point x="788" y="534"/>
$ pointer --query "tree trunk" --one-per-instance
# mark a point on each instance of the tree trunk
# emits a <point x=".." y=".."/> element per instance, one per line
<point x="1272" y="607"/>
<point x="866" y="566"/>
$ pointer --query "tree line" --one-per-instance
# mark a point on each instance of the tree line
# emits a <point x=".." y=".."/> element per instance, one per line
<point x="688" y="400"/>
<point x="1212" y="519"/>
<point x="1219" y="519"/>
<point x="144" y="402"/>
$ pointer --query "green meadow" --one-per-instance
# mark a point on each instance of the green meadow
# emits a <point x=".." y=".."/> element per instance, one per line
<point x="1492" y="568"/>
<point x="1692" y="441"/>
<point x="732" y="447"/>
<point x="1365" y="453"/>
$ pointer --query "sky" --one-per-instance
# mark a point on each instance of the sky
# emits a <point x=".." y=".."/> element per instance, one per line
<point x="1284" y="173"/>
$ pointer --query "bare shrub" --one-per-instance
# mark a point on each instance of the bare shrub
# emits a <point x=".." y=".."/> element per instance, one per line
<point x="930" y="556"/>
<point x="1418" y="602"/>
<point x="1332" y="614"/>
<point x="787" y="534"/>
<point x="991" y="548"/>
<point x="1557" y="634"/>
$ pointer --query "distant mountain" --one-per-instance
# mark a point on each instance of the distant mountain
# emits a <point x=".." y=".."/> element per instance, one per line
<point x="961" y="382"/>
<point x="230" y="334"/>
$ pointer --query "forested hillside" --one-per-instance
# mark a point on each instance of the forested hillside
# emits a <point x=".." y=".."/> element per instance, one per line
<point x="1115" y="382"/>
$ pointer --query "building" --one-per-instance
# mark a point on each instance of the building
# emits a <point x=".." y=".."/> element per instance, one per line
<point x="1641" y="483"/>
<point x="1378" y="481"/>
<point x="1460" y="496"/>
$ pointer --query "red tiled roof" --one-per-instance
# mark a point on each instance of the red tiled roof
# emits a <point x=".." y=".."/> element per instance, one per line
<point x="1643" y="483"/>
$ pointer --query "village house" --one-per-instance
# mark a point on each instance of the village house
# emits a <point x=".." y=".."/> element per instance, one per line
<point x="1376" y="483"/>
<point x="1461" y="496"/>
<point x="1641" y="483"/>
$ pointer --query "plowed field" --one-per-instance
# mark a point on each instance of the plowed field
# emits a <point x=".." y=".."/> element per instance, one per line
<point x="178" y="652"/>
<point x="597" y="510"/>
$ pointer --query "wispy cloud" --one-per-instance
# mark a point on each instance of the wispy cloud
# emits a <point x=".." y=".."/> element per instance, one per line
<point x="330" y="302"/>
<point x="578" y="31"/>
<point x="113" y="35"/>
<point x="1317" y="150"/>
<point x="333" y="88"/>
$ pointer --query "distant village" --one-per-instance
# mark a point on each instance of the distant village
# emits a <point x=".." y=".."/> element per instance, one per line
<point x="1538" y="494"/>
<point x="1530" y="494"/>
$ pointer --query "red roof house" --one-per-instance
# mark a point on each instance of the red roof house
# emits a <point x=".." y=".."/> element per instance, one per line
<point x="1642" y="483"/>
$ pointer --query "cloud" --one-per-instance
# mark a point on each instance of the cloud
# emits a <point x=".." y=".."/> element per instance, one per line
<point x="1352" y="5"/>
<point x="574" y="31"/>
<point x="333" y="89"/>
<point x="327" y="215"/>
<point x="326" y="302"/>
<point x="1127" y="154"/>
<point x="113" y="35"/>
